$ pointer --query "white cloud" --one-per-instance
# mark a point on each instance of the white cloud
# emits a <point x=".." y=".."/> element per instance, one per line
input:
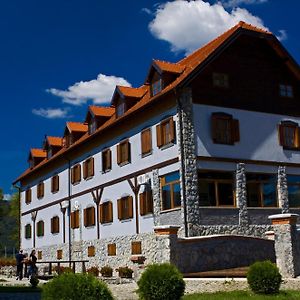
<point x="147" y="11"/>
<point x="282" y="35"/>
<point x="187" y="25"/>
<point x="51" y="113"/>
<point x="236" y="3"/>
<point x="98" y="90"/>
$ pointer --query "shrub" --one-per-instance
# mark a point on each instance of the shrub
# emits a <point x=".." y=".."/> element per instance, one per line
<point x="34" y="281"/>
<point x="161" y="281"/>
<point x="125" y="272"/>
<point x="61" y="270"/>
<point x="7" y="262"/>
<point x="93" y="271"/>
<point x="76" y="286"/>
<point x="106" y="271"/>
<point x="264" y="278"/>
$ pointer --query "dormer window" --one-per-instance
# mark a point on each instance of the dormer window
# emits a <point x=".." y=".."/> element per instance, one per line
<point x="220" y="80"/>
<point x="92" y="126"/>
<point x="286" y="91"/>
<point x="156" y="87"/>
<point x="49" y="153"/>
<point x="31" y="163"/>
<point x="120" y="109"/>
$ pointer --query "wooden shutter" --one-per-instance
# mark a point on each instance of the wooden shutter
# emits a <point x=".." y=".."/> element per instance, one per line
<point x="91" y="251"/>
<point x="42" y="228"/>
<point x="158" y="136"/>
<point x="172" y="130"/>
<point x="297" y="138"/>
<point x="120" y="210"/>
<point x="111" y="249"/>
<point x="85" y="169"/>
<point x="91" y="166"/>
<point x="130" y="207"/>
<point x="110" y="211"/>
<point x="119" y="154"/>
<point x="77" y="173"/>
<point x="281" y="134"/>
<point x="28" y="196"/>
<point x="136" y="248"/>
<point x="108" y="159"/>
<point x="59" y="254"/>
<point x="76" y="219"/>
<point x="39" y="255"/>
<point x="73" y="175"/>
<point x="149" y="202"/>
<point x="73" y="220"/>
<point x="235" y="130"/>
<point x="127" y="151"/>
<point x="101" y="213"/>
<point x="52" y="225"/>
<point x="142" y="204"/>
<point x="85" y="220"/>
<point x="146" y="142"/>
<point x="42" y="189"/>
<point x="92" y="215"/>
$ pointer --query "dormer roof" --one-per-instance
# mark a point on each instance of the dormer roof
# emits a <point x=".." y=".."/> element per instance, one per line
<point x="37" y="153"/>
<point x="76" y="127"/>
<point x="128" y="92"/>
<point x="54" y="141"/>
<point x="99" y="111"/>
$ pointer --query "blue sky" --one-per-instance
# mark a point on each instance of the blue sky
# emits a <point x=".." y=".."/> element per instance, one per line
<point x="59" y="56"/>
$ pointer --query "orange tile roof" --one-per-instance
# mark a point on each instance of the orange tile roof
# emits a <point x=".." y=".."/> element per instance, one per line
<point x="102" y="111"/>
<point x="132" y="92"/>
<point x="168" y="67"/>
<point x="54" y="141"/>
<point x="76" y="126"/>
<point x="39" y="153"/>
<point x="189" y="64"/>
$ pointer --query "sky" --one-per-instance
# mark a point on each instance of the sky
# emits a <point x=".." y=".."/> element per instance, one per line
<point x="59" y="56"/>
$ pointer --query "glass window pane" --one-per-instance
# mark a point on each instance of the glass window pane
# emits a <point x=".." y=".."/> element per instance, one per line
<point x="176" y="195"/>
<point x="225" y="194"/>
<point x="172" y="177"/>
<point x="269" y="194"/>
<point x="207" y="195"/>
<point x="293" y="179"/>
<point x="166" y="197"/>
<point x="294" y="195"/>
<point x="253" y="194"/>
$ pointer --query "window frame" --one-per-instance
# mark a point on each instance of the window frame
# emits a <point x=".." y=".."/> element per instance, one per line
<point x="286" y="91"/>
<point x="220" y="80"/>
<point x="106" y="160"/>
<point x="55" y="184"/>
<point x="156" y="86"/>
<point x="28" y="231"/>
<point x="76" y="175"/>
<point x="40" y="228"/>
<point x="111" y="249"/>
<point x="40" y="190"/>
<point x="127" y="156"/>
<point x="55" y="225"/>
<point x="146" y="203"/>
<point x="125" y="208"/>
<point x="164" y="138"/>
<point x="75" y="222"/>
<point x="146" y="141"/>
<point x="282" y="135"/>
<point x="106" y="212"/>
<point x="28" y="196"/>
<point x="89" y="216"/>
<point x="88" y="168"/>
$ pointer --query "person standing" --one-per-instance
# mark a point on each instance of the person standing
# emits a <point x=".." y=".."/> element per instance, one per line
<point x="20" y="260"/>
<point x="32" y="266"/>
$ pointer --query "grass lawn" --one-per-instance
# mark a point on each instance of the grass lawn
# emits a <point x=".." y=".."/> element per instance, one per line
<point x="243" y="295"/>
<point x="19" y="289"/>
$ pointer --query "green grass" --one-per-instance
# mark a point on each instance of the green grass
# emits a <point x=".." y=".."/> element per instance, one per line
<point x="19" y="289"/>
<point x="243" y="295"/>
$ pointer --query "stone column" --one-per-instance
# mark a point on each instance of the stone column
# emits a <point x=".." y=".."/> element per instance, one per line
<point x="282" y="190"/>
<point x="188" y="162"/>
<point x="166" y="238"/>
<point x="156" y="196"/>
<point x="241" y="195"/>
<point x="287" y="244"/>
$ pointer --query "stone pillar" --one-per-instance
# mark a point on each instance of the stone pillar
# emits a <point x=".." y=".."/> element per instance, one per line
<point x="188" y="162"/>
<point x="282" y="190"/>
<point x="287" y="244"/>
<point x="241" y="195"/>
<point x="156" y="196"/>
<point x="166" y="238"/>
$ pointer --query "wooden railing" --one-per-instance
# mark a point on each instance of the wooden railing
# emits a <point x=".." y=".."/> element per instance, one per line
<point x="59" y="262"/>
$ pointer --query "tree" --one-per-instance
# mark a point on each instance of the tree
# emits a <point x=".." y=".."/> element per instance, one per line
<point x="14" y="212"/>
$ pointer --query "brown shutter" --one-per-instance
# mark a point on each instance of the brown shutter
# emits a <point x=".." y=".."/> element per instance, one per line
<point x="57" y="224"/>
<point x="297" y="138"/>
<point x="85" y="220"/>
<point x="281" y="134"/>
<point x="84" y="169"/>
<point x="92" y="167"/>
<point x="118" y="154"/>
<point x="101" y="213"/>
<point x="72" y="220"/>
<point x="57" y="183"/>
<point x="52" y="184"/>
<point x="91" y="251"/>
<point x="52" y="226"/>
<point x="130" y="207"/>
<point x="127" y="151"/>
<point x="108" y="157"/>
<point x="149" y="201"/>
<point x="72" y="175"/>
<point x="92" y="216"/>
<point x="42" y="189"/>
<point x="158" y="135"/>
<point x="120" y="215"/>
<point x="77" y="219"/>
<point x="110" y="211"/>
<point x="235" y="130"/>
<point x="172" y="130"/>
<point x="142" y="204"/>
<point x="42" y="228"/>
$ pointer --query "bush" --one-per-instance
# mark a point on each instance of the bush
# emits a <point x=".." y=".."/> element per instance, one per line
<point x="76" y="286"/>
<point x="264" y="278"/>
<point x="106" y="271"/>
<point x="34" y="281"/>
<point x="93" y="271"/>
<point x="161" y="281"/>
<point x="125" y="272"/>
<point x="60" y="270"/>
<point x="7" y="262"/>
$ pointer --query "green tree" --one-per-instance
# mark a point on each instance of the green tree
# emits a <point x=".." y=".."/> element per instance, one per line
<point x="14" y="212"/>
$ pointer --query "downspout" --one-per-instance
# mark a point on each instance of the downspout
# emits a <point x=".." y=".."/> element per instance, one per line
<point x="182" y="154"/>
<point x="19" y="214"/>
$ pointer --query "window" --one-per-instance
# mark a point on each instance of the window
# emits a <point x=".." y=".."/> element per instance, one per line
<point x="91" y="251"/>
<point x="49" y="153"/>
<point x="106" y="212"/>
<point x="125" y="208"/>
<point x="123" y="152"/>
<point x="27" y="231"/>
<point x="294" y="190"/>
<point x="76" y="174"/>
<point x="120" y="109"/>
<point x="146" y="141"/>
<point x="221" y="80"/>
<point x="59" y="254"/>
<point x="136" y="248"/>
<point x="225" y="129"/>
<point x="55" y="184"/>
<point x="75" y="219"/>
<point x="92" y="126"/>
<point x="261" y="190"/>
<point x="67" y="140"/>
<point x="146" y="203"/>
<point x="111" y="249"/>
<point x="28" y="196"/>
<point x="216" y="189"/>
<point x="55" y="224"/>
<point x="88" y="168"/>
<point x="170" y="191"/>
<point x="165" y="132"/>
<point x="156" y="87"/>
<point x="89" y="216"/>
<point x="40" y="190"/>
<point x="40" y="228"/>
<point x="286" y="91"/>
<point x="106" y="160"/>
<point x="289" y="135"/>
<point x="39" y="255"/>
